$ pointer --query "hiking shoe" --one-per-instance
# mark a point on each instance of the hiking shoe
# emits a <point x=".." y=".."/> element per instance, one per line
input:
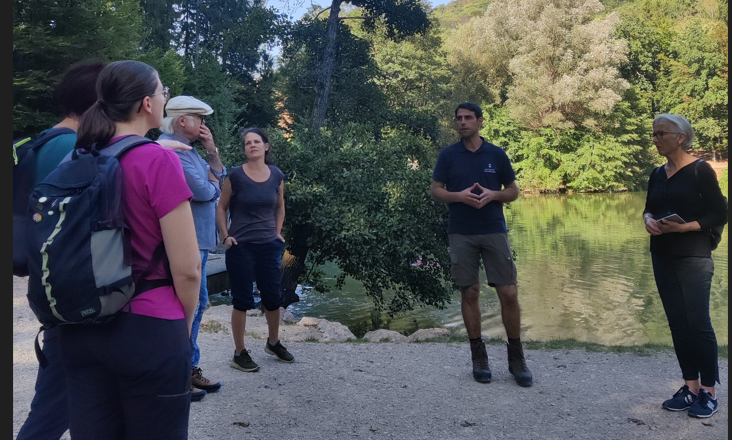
<point x="681" y="401"/>
<point x="244" y="362"/>
<point x="197" y="394"/>
<point x="704" y="406"/>
<point x="201" y="382"/>
<point x="481" y="370"/>
<point x="280" y="351"/>
<point x="517" y="365"/>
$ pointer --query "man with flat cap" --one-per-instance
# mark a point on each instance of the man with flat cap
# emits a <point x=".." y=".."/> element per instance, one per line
<point x="184" y="122"/>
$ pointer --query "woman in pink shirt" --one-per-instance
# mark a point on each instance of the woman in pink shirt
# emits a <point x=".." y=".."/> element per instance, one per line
<point x="128" y="379"/>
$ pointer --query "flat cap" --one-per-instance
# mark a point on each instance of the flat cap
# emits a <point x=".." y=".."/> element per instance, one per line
<point x="186" y="105"/>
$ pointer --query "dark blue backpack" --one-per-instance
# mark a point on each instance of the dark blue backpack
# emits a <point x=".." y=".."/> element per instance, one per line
<point x="25" y="161"/>
<point x="79" y="259"/>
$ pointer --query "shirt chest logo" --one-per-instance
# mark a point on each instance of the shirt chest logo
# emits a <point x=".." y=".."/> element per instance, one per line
<point x="490" y="169"/>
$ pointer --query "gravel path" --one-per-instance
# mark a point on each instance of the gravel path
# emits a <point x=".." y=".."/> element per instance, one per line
<point x="417" y="391"/>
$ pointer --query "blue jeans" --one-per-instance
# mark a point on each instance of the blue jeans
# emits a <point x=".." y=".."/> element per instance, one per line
<point x="684" y="285"/>
<point x="202" y="303"/>
<point x="49" y="417"/>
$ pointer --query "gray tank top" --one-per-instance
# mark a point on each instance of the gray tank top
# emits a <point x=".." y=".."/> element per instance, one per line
<point x="253" y="206"/>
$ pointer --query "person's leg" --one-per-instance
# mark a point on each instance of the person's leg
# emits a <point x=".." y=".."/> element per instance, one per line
<point x="470" y="308"/>
<point x="239" y="267"/>
<point x="48" y="418"/>
<point x="672" y="297"/>
<point x="695" y="276"/>
<point x="202" y="303"/>
<point x="510" y="310"/>
<point x="95" y="410"/>
<point x="269" y="284"/>
<point x="151" y="363"/>
<point x="501" y="274"/>
<point x="198" y="380"/>
<point x="465" y="255"/>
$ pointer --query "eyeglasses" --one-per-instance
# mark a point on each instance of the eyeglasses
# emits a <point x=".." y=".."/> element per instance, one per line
<point x="660" y="134"/>
<point x="166" y="95"/>
<point x="203" y="120"/>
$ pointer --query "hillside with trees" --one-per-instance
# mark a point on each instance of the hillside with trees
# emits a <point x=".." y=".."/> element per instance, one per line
<point x="361" y="98"/>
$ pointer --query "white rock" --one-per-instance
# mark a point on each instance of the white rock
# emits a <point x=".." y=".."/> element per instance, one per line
<point x="334" y="331"/>
<point x="428" y="333"/>
<point x="382" y="334"/>
<point x="287" y="317"/>
<point x="308" y="321"/>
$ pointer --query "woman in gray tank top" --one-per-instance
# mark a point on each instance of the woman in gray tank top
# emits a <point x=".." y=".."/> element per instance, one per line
<point x="253" y="195"/>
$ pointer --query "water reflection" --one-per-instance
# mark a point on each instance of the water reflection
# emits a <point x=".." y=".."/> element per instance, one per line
<point x="584" y="272"/>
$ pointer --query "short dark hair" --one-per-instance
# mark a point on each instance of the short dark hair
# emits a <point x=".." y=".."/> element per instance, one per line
<point x="475" y="108"/>
<point x="260" y="132"/>
<point x="76" y="91"/>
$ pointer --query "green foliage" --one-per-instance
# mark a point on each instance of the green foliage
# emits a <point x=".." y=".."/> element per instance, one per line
<point x="366" y="205"/>
<point x="724" y="182"/>
<point x="577" y="160"/>
<point x="457" y="12"/>
<point x="696" y="84"/>
<point x="170" y="67"/>
<point x="49" y="36"/>
<point x="208" y="82"/>
<point x="159" y="21"/>
<point x="354" y="96"/>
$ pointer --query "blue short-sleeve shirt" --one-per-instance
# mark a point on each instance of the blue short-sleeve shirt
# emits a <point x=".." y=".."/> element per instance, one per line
<point x="459" y="168"/>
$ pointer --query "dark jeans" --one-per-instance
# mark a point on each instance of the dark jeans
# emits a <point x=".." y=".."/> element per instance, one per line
<point x="48" y="418"/>
<point x="684" y="284"/>
<point x="247" y="263"/>
<point x="128" y="379"/>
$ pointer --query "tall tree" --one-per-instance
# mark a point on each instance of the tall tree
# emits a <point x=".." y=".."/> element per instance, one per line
<point x="556" y="63"/>
<point x="49" y="36"/>
<point x="354" y="97"/>
<point x="400" y="18"/>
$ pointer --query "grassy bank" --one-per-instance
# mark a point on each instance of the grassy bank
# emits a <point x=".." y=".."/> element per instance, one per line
<point x="573" y="344"/>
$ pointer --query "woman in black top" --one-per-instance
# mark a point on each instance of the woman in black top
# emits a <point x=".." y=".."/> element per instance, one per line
<point x="682" y="258"/>
<point x="253" y="194"/>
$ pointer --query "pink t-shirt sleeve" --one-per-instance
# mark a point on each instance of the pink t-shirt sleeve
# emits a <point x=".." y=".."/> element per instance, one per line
<point x="154" y="186"/>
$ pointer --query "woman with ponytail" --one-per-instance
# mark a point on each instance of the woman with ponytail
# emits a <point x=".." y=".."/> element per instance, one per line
<point x="128" y="379"/>
<point x="253" y="194"/>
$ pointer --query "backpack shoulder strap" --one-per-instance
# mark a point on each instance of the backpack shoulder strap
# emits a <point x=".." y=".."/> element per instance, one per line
<point x="38" y="140"/>
<point x="123" y="145"/>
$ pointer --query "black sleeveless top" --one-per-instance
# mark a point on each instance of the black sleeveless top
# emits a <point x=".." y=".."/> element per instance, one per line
<point x="253" y="206"/>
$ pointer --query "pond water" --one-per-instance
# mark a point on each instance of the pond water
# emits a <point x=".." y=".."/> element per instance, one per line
<point x="584" y="272"/>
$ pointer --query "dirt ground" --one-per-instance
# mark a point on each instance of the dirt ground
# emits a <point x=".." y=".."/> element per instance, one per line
<point x="415" y="391"/>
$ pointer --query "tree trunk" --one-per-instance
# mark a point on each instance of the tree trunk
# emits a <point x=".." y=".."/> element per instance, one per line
<point x="293" y="262"/>
<point x="327" y="65"/>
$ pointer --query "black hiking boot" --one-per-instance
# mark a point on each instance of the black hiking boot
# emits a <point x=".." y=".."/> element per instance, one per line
<point x="481" y="371"/>
<point x="517" y="364"/>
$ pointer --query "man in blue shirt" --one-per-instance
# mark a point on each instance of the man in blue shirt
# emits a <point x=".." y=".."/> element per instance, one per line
<point x="475" y="178"/>
<point x="185" y="123"/>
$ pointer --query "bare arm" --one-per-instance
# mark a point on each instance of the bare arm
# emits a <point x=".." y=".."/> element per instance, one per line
<point x="181" y="246"/>
<point x="221" y="220"/>
<point x="280" y="216"/>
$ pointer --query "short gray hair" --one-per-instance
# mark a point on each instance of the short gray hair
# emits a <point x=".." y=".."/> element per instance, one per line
<point x="682" y="125"/>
